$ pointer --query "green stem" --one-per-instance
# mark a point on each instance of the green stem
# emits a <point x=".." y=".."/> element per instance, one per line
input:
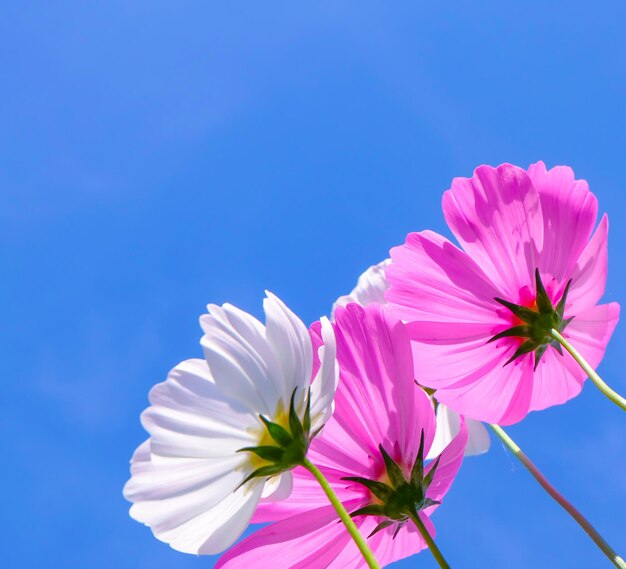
<point x="559" y="498"/>
<point x="593" y="376"/>
<point x="344" y="515"/>
<point x="419" y="524"/>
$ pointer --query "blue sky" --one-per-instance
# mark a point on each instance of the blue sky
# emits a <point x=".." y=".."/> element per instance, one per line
<point x="155" y="157"/>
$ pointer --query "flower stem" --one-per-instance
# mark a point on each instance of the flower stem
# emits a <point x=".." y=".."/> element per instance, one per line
<point x="559" y="498"/>
<point x="344" y="515"/>
<point x="429" y="541"/>
<point x="593" y="376"/>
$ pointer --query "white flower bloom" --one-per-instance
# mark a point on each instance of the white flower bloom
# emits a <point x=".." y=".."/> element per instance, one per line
<point x="370" y="288"/>
<point x="186" y="479"/>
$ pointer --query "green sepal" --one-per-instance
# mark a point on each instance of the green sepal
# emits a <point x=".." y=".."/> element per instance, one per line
<point x="268" y="470"/>
<point x="417" y="472"/>
<point x="526" y="347"/>
<point x="524" y="313"/>
<point x="371" y="510"/>
<point x="560" y="307"/>
<point x="278" y="433"/>
<point x="539" y="353"/>
<point x="266" y="452"/>
<point x="379" y="489"/>
<point x="544" y="304"/>
<point x="399" y="526"/>
<point x="381" y="526"/>
<point x="428" y="479"/>
<point x="394" y="472"/>
<point x="516" y="331"/>
<point x="427" y="503"/>
<point x="306" y="421"/>
<point x="297" y="430"/>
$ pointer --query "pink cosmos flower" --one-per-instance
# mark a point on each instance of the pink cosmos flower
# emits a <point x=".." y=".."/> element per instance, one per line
<point x="378" y="409"/>
<point x="479" y="317"/>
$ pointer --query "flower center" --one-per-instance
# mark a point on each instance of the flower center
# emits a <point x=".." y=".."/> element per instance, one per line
<point x="394" y="496"/>
<point x="536" y="323"/>
<point x="283" y="443"/>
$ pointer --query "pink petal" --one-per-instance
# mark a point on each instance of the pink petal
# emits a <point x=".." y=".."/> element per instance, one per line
<point x="496" y="216"/>
<point x="569" y="214"/>
<point x="431" y="279"/>
<point x="591" y="330"/>
<point x="407" y="542"/>
<point x="449" y="464"/>
<point x="310" y="539"/>
<point x="474" y="381"/>
<point x="589" y="274"/>
<point x="306" y="493"/>
<point x="376" y="380"/>
<point x="557" y="379"/>
<point x="385" y="547"/>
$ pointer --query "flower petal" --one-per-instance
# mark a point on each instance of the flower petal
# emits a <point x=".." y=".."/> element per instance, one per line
<point x="216" y="529"/>
<point x="191" y="418"/>
<point x="326" y="377"/>
<point x="191" y="504"/>
<point x="289" y="340"/>
<point x="370" y="287"/>
<point x="376" y="371"/>
<point x="473" y="380"/>
<point x="589" y="274"/>
<point x="497" y="218"/>
<point x="240" y="360"/>
<point x="278" y="487"/>
<point x="449" y="425"/>
<point x="431" y="279"/>
<point x="448" y="466"/>
<point x="307" y="540"/>
<point x="569" y="214"/>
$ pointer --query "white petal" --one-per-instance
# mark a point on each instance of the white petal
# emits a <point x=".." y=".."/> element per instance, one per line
<point x="448" y="425"/>
<point x="370" y="287"/>
<point x="239" y="357"/>
<point x="290" y="342"/>
<point x="325" y="382"/>
<point x="479" y="439"/>
<point x="216" y="529"/>
<point x="191" y="504"/>
<point x="191" y="418"/>
<point x="278" y="487"/>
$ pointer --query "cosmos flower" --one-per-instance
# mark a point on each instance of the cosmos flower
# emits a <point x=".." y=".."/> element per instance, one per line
<point x="371" y="451"/>
<point x="480" y="316"/>
<point x="198" y="478"/>
<point x="371" y="287"/>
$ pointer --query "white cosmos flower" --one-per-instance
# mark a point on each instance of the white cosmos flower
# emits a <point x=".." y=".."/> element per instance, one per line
<point x="186" y="479"/>
<point x="371" y="287"/>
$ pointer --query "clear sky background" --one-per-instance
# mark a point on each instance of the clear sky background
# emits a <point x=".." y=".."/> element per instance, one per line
<point x="155" y="157"/>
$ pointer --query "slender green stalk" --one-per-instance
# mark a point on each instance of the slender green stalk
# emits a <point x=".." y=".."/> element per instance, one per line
<point x="593" y="376"/>
<point x="429" y="540"/>
<point x="559" y="498"/>
<point x="344" y="515"/>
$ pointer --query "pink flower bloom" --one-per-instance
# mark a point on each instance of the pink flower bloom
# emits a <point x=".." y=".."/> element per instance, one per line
<point x="513" y="226"/>
<point x="377" y="404"/>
